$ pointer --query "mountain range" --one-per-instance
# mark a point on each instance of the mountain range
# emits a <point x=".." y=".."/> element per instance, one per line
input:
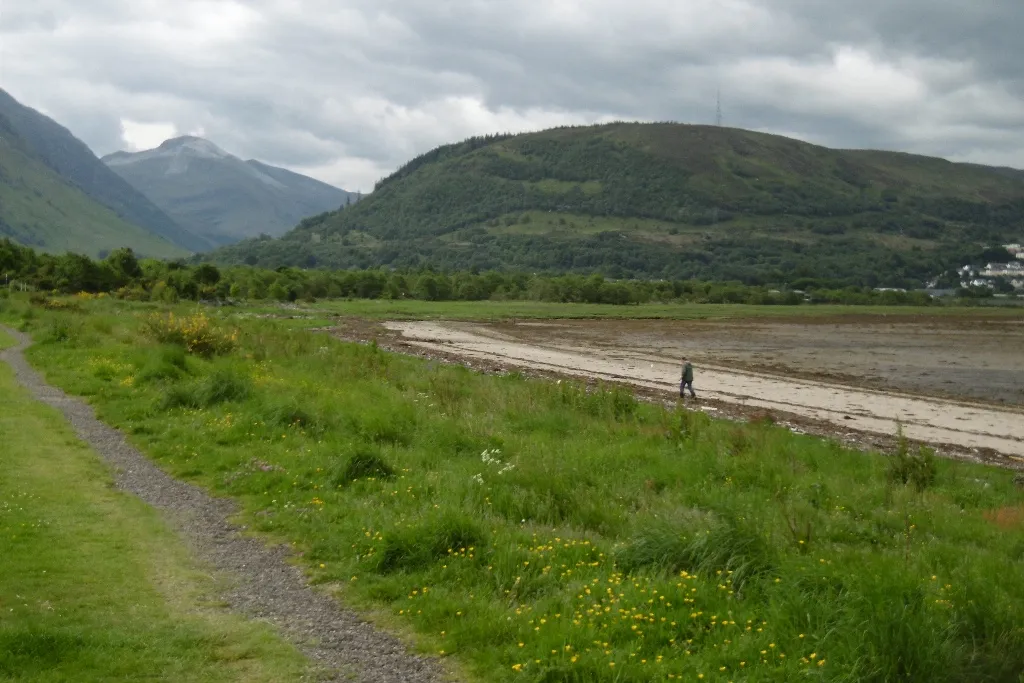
<point x="220" y="197"/>
<point x="186" y="196"/>
<point x="637" y="200"/>
<point x="55" y="194"/>
<point x="664" y="200"/>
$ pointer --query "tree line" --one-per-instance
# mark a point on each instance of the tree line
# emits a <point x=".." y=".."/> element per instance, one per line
<point x="124" y="275"/>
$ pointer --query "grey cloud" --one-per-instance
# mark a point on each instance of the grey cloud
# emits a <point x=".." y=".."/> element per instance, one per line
<point x="353" y="89"/>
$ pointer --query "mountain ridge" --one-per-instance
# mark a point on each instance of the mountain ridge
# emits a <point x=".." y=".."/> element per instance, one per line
<point x="662" y="200"/>
<point x="41" y="209"/>
<point x="221" y="196"/>
<point x="55" y="146"/>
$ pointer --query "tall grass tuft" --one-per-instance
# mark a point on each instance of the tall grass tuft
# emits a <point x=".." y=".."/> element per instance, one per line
<point x="724" y="545"/>
<point x="448" y="387"/>
<point x="414" y="547"/>
<point x="167" y="363"/>
<point x="222" y="385"/>
<point x="62" y="330"/>
<point x="289" y="412"/>
<point x="364" y="462"/>
<point x="907" y="467"/>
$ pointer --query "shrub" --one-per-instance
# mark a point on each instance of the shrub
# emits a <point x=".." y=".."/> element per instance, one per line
<point x="195" y="333"/>
<point x="54" y="304"/>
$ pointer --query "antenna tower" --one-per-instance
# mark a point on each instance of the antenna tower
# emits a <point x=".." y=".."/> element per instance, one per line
<point x="718" y="109"/>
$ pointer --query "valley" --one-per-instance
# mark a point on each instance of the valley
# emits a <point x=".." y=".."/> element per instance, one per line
<point x="258" y="428"/>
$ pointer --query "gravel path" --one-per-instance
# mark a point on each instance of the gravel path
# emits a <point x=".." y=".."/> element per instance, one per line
<point x="262" y="584"/>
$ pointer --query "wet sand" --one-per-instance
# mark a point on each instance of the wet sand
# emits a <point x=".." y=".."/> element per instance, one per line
<point x="833" y="389"/>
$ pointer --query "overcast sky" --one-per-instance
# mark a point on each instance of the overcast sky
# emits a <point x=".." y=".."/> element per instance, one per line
<point x="347" y="90"/>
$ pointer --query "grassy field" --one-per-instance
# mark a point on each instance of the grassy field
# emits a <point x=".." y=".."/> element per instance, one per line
<point x="503" y="310"/>
<point x="537" y="531"/>
<point x="93" y="586"/>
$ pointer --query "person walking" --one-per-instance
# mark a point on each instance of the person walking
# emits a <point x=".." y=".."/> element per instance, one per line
<point x="687" y="381"/>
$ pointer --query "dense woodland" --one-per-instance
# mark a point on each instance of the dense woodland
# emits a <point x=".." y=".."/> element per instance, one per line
<point x="123" y="275"/>
<point x="664" y="201"/>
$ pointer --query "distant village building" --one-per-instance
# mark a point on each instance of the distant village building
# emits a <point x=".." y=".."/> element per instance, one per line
<point x="987" y="275"/>
<point x="1015" y="269"/>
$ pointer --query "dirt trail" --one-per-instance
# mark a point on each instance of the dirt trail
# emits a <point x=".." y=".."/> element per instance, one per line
<point x="932" y="420"/>
<point x="262" y="583"/>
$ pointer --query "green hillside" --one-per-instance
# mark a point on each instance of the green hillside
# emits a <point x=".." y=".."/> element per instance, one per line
<point x="70" y="159"/>
<point x="664" y="200"/>
<point x="38" y="208"/>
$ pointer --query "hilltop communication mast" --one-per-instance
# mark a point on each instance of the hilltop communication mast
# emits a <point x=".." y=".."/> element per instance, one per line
<point x="718" y="108"/>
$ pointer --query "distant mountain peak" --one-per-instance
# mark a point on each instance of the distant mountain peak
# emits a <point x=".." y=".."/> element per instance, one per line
<point x="218" y="195"/>
<point x="194" y="145"/>
<point x="180" y="148"/>
<point x="56" y="148"/>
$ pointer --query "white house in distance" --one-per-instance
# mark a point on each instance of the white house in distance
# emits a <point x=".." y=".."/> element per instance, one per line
<point x="1015" y="249"/>
<point x="1015" y="269"/>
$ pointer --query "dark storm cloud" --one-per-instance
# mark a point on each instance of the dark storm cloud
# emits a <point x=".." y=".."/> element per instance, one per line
<point x="349" y="90"/>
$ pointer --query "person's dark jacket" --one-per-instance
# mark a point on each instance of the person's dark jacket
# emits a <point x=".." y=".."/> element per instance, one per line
<point x="688" y="372"/>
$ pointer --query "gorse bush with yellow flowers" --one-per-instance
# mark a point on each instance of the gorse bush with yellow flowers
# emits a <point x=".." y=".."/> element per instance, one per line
<point x="195" y="333"/>
<point x="546" y="532"/>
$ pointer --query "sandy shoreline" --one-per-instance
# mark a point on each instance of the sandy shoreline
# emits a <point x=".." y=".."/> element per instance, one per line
<point x="934" y="420"/>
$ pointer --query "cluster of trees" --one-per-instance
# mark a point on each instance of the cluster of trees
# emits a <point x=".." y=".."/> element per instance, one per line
<point x="850" y="260"/>
<point x="123" y="275"/>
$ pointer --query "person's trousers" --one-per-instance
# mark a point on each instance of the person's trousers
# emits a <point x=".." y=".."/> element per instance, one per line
<point x="687" y="385"/>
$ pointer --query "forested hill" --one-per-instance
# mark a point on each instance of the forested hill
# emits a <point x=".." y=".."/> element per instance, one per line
<point x="664" y="200"/>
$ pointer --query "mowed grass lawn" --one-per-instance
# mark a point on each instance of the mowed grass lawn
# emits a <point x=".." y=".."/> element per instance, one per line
<point x="93" y="585"/>
<point x="537" y="531"/>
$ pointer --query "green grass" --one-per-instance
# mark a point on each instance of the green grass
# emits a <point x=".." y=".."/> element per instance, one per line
<point x="536" y="531"/>
<point x="500" y="310"/>
<point x="93" y="585"/>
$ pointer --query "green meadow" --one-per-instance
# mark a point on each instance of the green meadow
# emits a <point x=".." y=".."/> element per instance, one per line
<point x="549" y="531"/>
<point x="93" y="585"/>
